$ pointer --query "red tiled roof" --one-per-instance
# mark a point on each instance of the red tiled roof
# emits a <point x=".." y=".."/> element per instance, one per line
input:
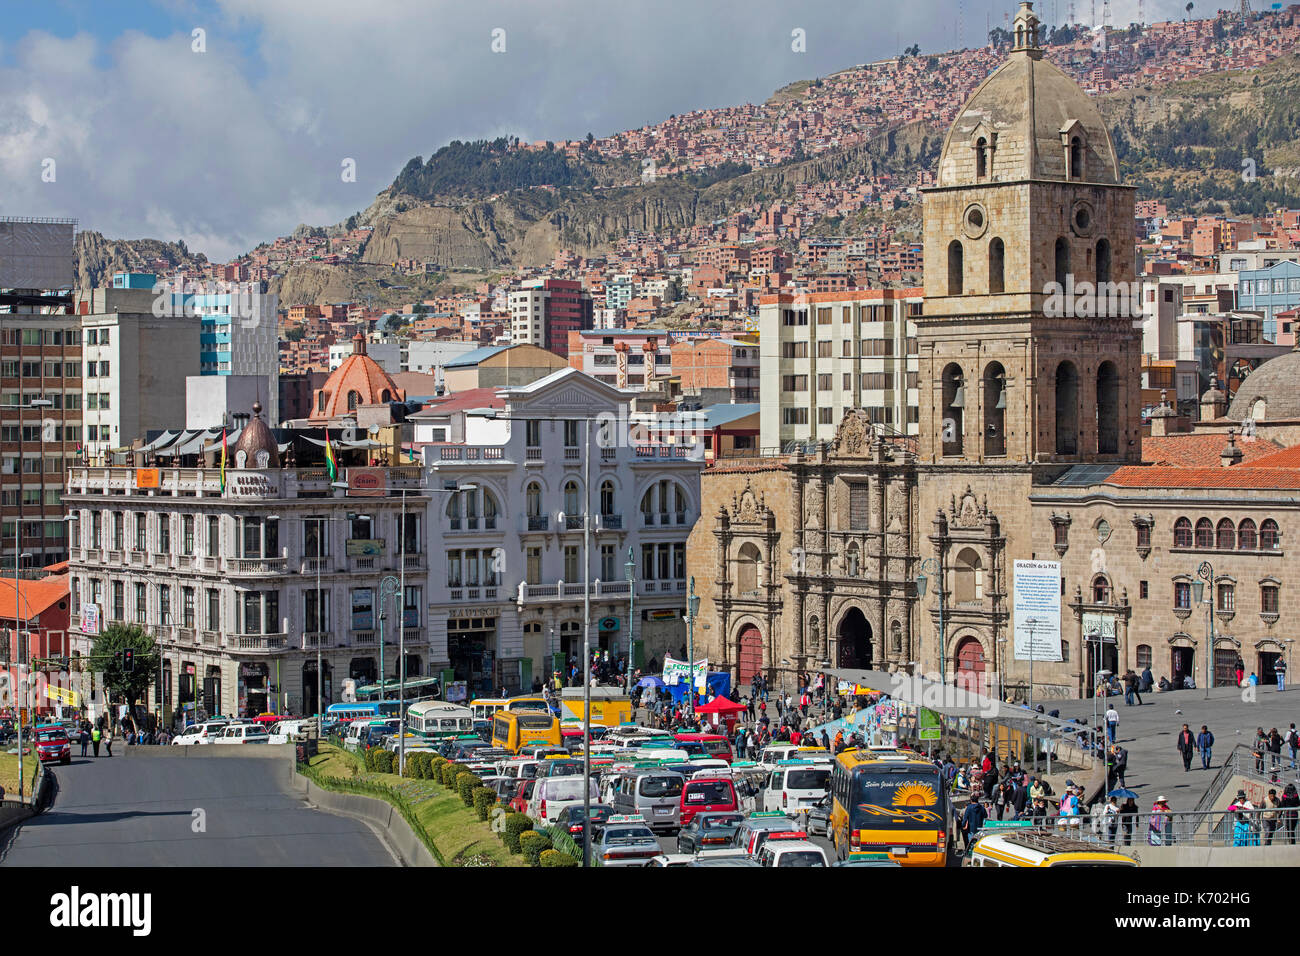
<point x="469" y="398"/>
<point x="1201" y="450"/>
<point x="1287" y="458"/>
<point x="1238" y="476"/>
<point x="34" y="597"/>
<point x="358" y="373"/>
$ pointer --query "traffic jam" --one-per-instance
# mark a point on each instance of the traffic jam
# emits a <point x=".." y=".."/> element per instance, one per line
<point x="653" y="797"/>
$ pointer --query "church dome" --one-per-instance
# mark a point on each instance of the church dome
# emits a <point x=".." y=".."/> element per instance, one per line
<point x="360" y="380"/>
<point x="1270" y="392"/>
<point x="1028" y="120"/>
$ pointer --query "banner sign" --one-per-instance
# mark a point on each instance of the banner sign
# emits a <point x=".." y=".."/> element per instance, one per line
<point x="1037" y="610"/>
<point x="675" y="672"/>
<point x="90" y="619"/>
<point x="928" y="722"/>
<point x="62" y="695"/>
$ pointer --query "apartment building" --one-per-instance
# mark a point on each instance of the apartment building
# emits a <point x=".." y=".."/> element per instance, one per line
<point x="544" y="311"/>
<point x="821" y="354"/>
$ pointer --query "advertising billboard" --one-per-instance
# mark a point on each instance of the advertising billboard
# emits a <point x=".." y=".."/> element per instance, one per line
<point x="1037" y="610"/>
<point x="36" y="255"/>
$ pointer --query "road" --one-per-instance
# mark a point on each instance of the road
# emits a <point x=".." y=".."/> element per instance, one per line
<point x="141" y="811"/>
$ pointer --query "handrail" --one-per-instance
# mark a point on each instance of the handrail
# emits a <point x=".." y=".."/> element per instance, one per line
<point x="1214" y="828"/>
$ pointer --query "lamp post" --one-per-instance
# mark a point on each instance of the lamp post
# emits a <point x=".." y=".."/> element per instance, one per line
<point x="18" y="638"/>
<point x="930" y="566"/>
<point x="1206" y="573"/>
<point x="693" y="608"/>
<point x="1002" y="686"/>
<point x="630" y="568"/>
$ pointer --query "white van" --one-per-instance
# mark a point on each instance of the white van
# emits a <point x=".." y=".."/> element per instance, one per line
<point x="243" y="734"/>
<point x="553" y="794"/>
<point x="774" y="753"/>
<point x="795" y="786"/>
<point x="662" y="753"/>
<point x="203" y="733"/>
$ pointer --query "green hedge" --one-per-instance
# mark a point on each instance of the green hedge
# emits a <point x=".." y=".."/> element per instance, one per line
<point x="565" y="843"/>
<point x="465" y="786"/>
<point x="450" y="771"/>
<point x="516" y="823"/>
<point x="374" y="789"/>
<point x="484" y="797"/>
<point x="532" y="843"/>
<point x="556" y="858"/>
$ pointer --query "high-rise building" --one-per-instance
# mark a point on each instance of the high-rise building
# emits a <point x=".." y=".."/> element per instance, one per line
<point x="544" y="311"/>
<point x="824" y="353"/>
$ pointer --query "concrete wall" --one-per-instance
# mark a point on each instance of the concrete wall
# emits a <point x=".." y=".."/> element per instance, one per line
<point x="380" y="814"/>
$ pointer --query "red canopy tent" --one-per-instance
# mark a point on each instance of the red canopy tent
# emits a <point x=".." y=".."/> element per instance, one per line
<point x="725" y="708"/>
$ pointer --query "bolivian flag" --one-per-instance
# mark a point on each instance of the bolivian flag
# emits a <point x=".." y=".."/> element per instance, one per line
<point x="223" y="460"/>
<point x="331" y="464"/>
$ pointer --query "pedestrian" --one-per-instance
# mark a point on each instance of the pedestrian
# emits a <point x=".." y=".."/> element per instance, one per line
<point x="94" y="739"/>
<point x="108" y="740"/>
<point x="1279" y="671"/>
<point x="1274" y="749"/>
<point x="1112" y="723"/>
<point x="1186" y="746"/>
<point x="826" y="740"/>
<point x="1293" y="742"/>
<point x="1160" y="817"/>
<point x="1260" y="748"/>
<point x="1019" y="799"/>
<point x="1128" y="811"/>
<point x="84" y="738"/>
<point x="972" y="821"/>
<point x="1243" y="833"/>
<point x="1205" y="744"/>
<point x="1120" y="764"/>
<point x="1110" y="820"/>
<point x="1240" y="669"/>
<point x="1290" y="804"/>
<point x="1270" y="817"/>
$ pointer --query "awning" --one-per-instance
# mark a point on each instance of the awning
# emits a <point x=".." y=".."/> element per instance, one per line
<point x="166" y="438"/>
<point x="365" y="443"/>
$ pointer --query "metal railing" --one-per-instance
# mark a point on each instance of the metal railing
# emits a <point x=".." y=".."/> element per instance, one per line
<point x="1201" y="828"/>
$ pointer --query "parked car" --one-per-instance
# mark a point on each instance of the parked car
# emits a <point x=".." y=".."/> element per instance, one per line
<point x="203" y="733"/>
<point x="243" y="734"/>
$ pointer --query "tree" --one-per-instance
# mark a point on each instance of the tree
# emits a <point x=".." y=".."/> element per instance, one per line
<point x="107" y="648"/>
<point x="1188" y="8"/>
<point x="293" y="334"/>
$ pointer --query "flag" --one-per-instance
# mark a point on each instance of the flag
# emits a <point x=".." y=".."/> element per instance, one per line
<point x="331" y="465"/>
<point x="223" y="460"/>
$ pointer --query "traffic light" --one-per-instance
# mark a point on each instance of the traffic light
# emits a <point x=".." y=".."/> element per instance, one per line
<point x="128" y="658"/>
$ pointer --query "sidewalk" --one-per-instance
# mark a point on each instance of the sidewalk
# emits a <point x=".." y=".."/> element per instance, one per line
<point x="1150" y="734"/>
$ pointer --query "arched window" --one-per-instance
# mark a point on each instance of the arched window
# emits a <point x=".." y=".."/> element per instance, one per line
<point x="354" y="399"/>
<point x="490" y="509"/>
<point x="1143" y="656"/>
<point x="1062" y="261"/>
<point x="1076" y="158"/>
<point x="1103" y="262"/>
<point x="995" y="406"/>
<point x="1247" y="540"/>
<point x="997" y="266"/>
<point x="1204" y="535"/>
<point x="1101" y="590"/>
<point x="851" y="560"/>
<point x="1183" y="533"/>
<point x="572" y="503"/>
<point x="1225" y="535"/>
<point x="668" y="500"/>
<point x="956" y="267"/>
<point x="606" y="498"/>
<point x="981" y="158"/>
<point x="1270" y="539"/>
<point x="747" y="560"/>
<point x="968" y="576"/>
<point x="896" y="637"/>
<point x="533" y="496"/>
<point x="1258" y="410"/>
<point x="1107" y="409"/>
<point x="385" y="396"/>
<point x="954" y="403"/>
<point x="321" y="400"/>
<point x="1067" y="409"/>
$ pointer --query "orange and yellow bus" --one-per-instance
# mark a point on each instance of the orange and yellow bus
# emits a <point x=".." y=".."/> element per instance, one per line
<point x="890" y="801"/>
<point x="513" y="729"/>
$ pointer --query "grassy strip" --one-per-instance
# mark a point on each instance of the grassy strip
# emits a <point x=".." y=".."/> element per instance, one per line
<point x="451" y="831"/>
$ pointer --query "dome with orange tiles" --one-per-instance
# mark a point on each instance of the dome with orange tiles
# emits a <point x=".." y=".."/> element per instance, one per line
<point x="360" y="380"/>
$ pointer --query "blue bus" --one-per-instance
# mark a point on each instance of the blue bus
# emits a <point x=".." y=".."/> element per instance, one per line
<point x="336" y="714"/>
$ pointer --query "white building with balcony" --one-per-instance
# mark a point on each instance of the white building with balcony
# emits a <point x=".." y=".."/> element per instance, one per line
<point x="506" y="581"/>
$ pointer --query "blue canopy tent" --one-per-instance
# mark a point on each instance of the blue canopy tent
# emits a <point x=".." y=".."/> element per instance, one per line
<point x="717" y="682"/>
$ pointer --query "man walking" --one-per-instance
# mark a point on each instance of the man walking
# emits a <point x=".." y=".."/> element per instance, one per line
<point x="1205" y="744"/>
<point x="1293" y="742"/>
<point x="972" y="821"/>
<point x="1119" y="764"/>
<point x="1279" y="669"/>
<point x="1186" y="747"/>
<point x="1112" y="723"/>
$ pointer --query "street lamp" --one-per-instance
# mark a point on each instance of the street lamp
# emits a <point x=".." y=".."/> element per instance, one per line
<point x="693" y="608"/>
<point x="1206" y="573"/>
<point x="630" y="568"/>
<point x="1002" y="686"/>
<point x="18" y="637"/>
<point x="930" y="566"/>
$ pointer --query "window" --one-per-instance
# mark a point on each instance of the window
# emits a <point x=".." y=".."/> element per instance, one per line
<point x="1268" y="598"/>
<point x="1076" y="158"/>
<point x="1226" y="597"/>
<point x="572" y="571"/>
<point x="1143" y="656"/>
<point x="118" y="609"/>
<point x="571" y="434"/>
<point x="1103" y="261"/>
<point x="1183" y="595"/>
<point x="824" y="416"/>
<point x="1062" y="254"/>
<point x="794" y="383"/>
<point x="213" y="620"/>
<point x="533" y="497"/>
<point x="164" y="534"/>
<point x="1144" y="535"/>
<point x="1247" y="540"/>
<point x="954" y="402"/>
<point x="354" y="399"/>
<point x="118" y="522"/>
<point x="141" y="531"/>
<point x="968" y="577"/>
<point x="1100" y="590"/>
<point x="794" y="350"/>
<point x="607" y="555"/>
<point x="214" y="536"/>
<point x="956" y="268"/>
<point x="1067" y="409"/>
<point x="1269" y="536"/>
<point x="794" y="416"/>
<point x="533" y="566"/>
<point x="824" y="349"/>
<point x="747" y="561"/>
<point x="981" y="158"/>
<point x="607" y="498"/>
<point x="824" y="382"/>
<point x="997" y="266"/>
<point x="1107" y="409"/>
<point x="1144" y="591"/>
<point x="1225" y="536"/>
<point x="165" y="605"/>
<point x="1204" y="535"/>
<point x="141" y="603"/>
<point x="1183" y="533"/>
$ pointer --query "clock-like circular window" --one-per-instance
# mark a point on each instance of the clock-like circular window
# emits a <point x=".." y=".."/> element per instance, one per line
<point x="975" y="221"/>
<point x="1081" y="219"/>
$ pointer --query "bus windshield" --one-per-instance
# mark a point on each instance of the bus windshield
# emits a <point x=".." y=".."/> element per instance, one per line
<point x="528" y="705"/>
<point x="535" y="721"/>
<point x="897" y="797"/>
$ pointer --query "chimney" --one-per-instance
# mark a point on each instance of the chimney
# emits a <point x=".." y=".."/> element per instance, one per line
<point x="1231" y="454"/>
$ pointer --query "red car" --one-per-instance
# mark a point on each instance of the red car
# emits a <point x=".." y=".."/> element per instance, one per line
<point x="524" y="793"/>
<point x="707" y="794"/>
<point x="709" y="745"/>
<point x="52" y="744"/>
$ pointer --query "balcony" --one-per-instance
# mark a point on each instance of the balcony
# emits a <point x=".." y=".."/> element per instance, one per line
<point x="257" y="642"/>
<point x="665" y="586"/>
<point x="366" y="563"/>
<point x="568" y="591"/>
<point x="471" y="453"/>
<point x="608" y="454"/>
<point x="160" y="559"/>
<point x="255" y="566"/>
<point x="135" y="559"/>
<point x="210" y="638"/>
<point x="184" y="635"/>
<point x="539" y="523"/>
<point x="313" y="640"/>
<point x="573" y="522"/>
<point x="533" y="454"/>
<point x="572" y="454"/>
<point x="413" y="562"/>
<point x="610" y="522"/>
<point x="412" y="635"/>
<point x="315" y="565"/>
<point x="363" y="637"/>
<point x="663" y="519"/>
<point x="210" y="565"/>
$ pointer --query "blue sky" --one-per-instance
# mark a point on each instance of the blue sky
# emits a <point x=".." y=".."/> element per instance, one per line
<point x="241" y="141"/>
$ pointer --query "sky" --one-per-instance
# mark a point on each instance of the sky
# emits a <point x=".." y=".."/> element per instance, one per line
<point x="227" y="123"/>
